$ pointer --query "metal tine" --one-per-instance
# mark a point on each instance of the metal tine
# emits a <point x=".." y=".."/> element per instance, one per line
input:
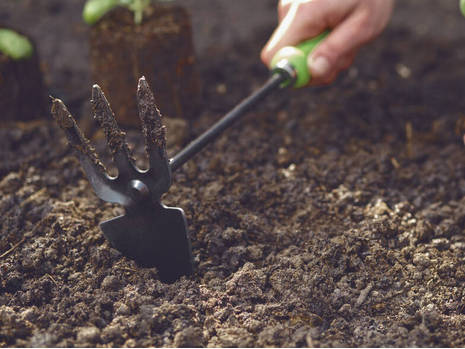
<point x="155" y="137"/>
<point x="120" y="151"/>
<point x="82" y="149"/>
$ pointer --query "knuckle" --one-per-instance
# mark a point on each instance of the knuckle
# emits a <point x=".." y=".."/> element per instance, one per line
<point x="365" y="27"/>
<point x="283" y="7"/>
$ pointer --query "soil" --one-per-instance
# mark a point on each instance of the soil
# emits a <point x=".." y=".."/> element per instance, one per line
<point x="330" y="216"/>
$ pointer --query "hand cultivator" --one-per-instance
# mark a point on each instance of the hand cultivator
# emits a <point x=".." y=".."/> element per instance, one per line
<point x="149" y="232"/>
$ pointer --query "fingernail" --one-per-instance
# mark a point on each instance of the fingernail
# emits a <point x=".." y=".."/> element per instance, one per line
<point x="318" y="66"/>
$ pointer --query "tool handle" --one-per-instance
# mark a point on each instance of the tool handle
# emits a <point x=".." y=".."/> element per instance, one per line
<point x="289" y="68"/>
<point x="213" y="132"/>
<point x="293" y="61"/>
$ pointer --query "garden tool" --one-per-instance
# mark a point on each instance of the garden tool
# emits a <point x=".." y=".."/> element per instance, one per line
<point x="149" y="232"/>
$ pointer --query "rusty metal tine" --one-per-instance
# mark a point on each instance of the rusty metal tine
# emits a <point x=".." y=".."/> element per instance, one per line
<point x="94" y="169"/>
<point x="155" y="137"/>
<point x="120" y="151"/>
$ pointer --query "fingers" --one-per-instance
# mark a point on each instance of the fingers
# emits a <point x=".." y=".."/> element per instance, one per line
<point x="299" y="22"/>
<point x="337" y="51"/>
<point x="352" y="23"/>
<point x="356" y="30"/>
<point x="343" y="63"/>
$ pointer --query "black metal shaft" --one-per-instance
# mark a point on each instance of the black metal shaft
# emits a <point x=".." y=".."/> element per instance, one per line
<point x="212" y="133"/>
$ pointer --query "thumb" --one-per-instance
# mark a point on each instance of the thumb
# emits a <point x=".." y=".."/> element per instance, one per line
<point x="298" y="24"/>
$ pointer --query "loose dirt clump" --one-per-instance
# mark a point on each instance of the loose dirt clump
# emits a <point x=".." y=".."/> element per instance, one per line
<point x="330" y="216"/>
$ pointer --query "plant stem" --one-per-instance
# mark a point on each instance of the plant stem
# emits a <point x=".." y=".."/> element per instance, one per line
<point x="138" y="9"/>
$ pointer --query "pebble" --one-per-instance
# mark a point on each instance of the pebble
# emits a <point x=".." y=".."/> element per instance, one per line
<point x="111" y="282"/>
<point x="123" y="309"/>
<point x="88" y="335"/>
<point x="421" y="259"/>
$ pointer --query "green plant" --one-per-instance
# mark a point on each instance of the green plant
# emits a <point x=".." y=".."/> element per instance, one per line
<point x="462" y="6"/>
<point x="15" y="45"/>
<point x="95" y="9"/>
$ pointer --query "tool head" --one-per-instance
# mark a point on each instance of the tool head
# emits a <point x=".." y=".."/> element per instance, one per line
<point x="158" y="238"/>
<point x="150" y="233"/>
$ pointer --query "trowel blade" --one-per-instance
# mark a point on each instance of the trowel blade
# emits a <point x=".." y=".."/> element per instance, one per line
<point x="155" y="236"/>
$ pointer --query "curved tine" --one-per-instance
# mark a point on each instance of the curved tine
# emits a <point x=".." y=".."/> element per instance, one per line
<point x="86" y="155"/>
<point x="120" y="151"/>
<point x="155" y="138"/>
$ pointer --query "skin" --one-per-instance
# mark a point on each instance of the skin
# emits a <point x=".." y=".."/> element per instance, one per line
<point x="353" y="23"/>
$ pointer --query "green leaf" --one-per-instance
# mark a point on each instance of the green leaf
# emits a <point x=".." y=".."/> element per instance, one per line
<point x="95" y="9"/>
<point x="462" y="6"/>
<point x="14" y="45"/>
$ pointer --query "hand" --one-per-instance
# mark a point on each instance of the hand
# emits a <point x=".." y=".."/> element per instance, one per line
<point x="353" y="23"/>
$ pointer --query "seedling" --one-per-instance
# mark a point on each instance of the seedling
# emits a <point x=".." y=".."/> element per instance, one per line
<point x="15" y="45"/>
<point x="95" y="9"/>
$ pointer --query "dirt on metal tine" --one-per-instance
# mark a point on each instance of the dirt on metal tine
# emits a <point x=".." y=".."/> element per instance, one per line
<point x="155" y="135"/>
<point x="120" y="151"/>
<point x="154" y="131"/>
<point x="86" y="155"/>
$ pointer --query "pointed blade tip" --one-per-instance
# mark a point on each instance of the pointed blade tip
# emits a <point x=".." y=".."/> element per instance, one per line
<point x="143" y="88"/>
<point x="96" y="92"/>
<point x="61" y="114"/>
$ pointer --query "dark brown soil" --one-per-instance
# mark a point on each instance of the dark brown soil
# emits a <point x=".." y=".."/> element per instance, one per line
<point x="329" y="217"/>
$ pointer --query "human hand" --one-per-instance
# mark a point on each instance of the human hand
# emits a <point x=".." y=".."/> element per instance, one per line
<point x="353" y="23"/>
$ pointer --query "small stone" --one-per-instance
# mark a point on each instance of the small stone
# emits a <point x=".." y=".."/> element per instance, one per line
<point x="442" y="244"/>
<point x="112" y="332"/>
<point x="254" y="252"/>
<point x="423" y="231"/>
<point x="42" y="340"/>
<point x="75" y="277"/>
<point x="378" y="209"/>
<point x="10" y="183"/>
<point x="51" y="254"/>
<point x="29" y="314"/>
<point x="345" y="310"/>
<point x="111" y="283"/>
<point x="235" y="337"/>
<point x="221" y="89"/>
<point x="284" y="157"/>
<point x="88" y="335"/>
<point x="130" y="343"/>
<point x="123" y="309"/>
<point x="421" y="259"/>
<point x="191" y="337"/>
<point x="403" y="71"/>
<point x="232" y="234"/>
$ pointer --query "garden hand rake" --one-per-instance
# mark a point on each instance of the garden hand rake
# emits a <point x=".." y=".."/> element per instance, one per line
<point x="149" y="232"/>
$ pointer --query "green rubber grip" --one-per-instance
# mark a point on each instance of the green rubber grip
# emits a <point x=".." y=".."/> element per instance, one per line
<point x="296" y="58"/>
